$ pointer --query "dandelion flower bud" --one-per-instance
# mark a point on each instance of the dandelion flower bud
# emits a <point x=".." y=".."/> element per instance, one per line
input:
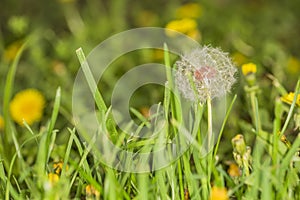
<point x="204" y="73"/>
<point x="239" y="144"/>
<point x="242" y="153"/>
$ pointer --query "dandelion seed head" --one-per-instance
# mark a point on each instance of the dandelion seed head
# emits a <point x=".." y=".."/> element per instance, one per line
<point x="204" y="73"/>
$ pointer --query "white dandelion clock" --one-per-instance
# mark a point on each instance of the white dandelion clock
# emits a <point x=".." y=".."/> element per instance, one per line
<point x="204" y="73"/>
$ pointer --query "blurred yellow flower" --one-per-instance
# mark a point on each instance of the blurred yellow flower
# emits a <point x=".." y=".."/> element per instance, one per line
<point x="186" y="26"/>
<point x="239" y="58"/>
<point x="189" y="10"/>
<point x="145" y="112"/>
<point x="58" y="68"/>
<point x="248" y="68"/>
<point x="53" y="178"/>
<point x="1" y="123"/>
<point x="11" y="51"/>
<point x="57" y="166"/>
<point x="218" y="193"/>
<point x="288" y="98"/>
<point x="234" y="170"/>
<point x="27" y="105"/>
<point x="293" y="65"/>
<point x="91" y="191"/>
<point x="195" y="34"/>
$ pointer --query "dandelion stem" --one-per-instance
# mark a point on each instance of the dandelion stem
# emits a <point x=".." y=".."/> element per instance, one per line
<point x="209" y="140"/>
<point x="297" y="91"/>
<point x="209" y="123"/>
<point x="180" y="179"/>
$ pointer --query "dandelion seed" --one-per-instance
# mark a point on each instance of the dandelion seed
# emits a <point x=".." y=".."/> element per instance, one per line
<point x="27" y="105"/>
<point x="204" y="73"/>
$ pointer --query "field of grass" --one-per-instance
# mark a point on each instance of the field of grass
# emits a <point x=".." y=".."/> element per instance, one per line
<point x="226" y="117"/>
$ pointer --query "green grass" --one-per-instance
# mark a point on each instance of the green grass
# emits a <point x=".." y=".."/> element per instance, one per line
<point x="263" y="32"/>
<point x="274" y="173"/>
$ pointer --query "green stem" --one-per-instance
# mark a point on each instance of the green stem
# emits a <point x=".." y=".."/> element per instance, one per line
<point x="290" y="113"/>
<point x="209" y="142"/>
<point x="96" y="93"/>
<point x="255" y="116"/>
<point x="223" y="126"/>
<point x="209" y="123"/>
<point x="90" y="79"/>
<point x="181" y="186"/>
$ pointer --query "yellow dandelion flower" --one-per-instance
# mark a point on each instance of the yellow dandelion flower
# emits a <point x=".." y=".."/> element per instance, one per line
<point x="186" y="26"/>
<point x="189" y="10"/>
<point x="53" y="178"/>
<point x="11" y="51"/>
<point x="57" y="166"/>
<point x="91" y="191"/>
<point x="248" y="68"/>
<point x="293" y="65"/>
<point x="288" y="98"/>
<point x="234" y="170"/>
<point x="195" y="34"/>
<point x="27" y="105"/>
<point x="1" y="123"/>
<point x="218" y="193"/>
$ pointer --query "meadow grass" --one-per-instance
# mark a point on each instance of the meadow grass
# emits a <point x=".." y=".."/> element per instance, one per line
<point x="256" y="151"/>
<point x="273" y="172"/>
